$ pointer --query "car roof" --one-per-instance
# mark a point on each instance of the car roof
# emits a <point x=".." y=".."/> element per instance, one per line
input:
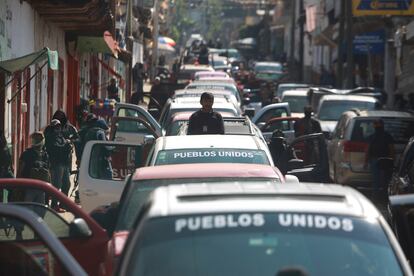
<point x="382" y="113"/>
<point x="206" y="170"/>
<point x="216" y="79"/>
<point x="293" y="85"/>
<point x="212" y="83"/>
<point x="211" y="73"/>
<point x="349" y="98"/>
<point x="185" y="115"/>
<point x="194" y="67"/>
<point x="265" y="197"/>
<point x="209" y="141"/>
<point x="199" y="91"/>
<point x="268" y="63"/>
<point x="296" y="92"/>
<point x="191" y="100"/>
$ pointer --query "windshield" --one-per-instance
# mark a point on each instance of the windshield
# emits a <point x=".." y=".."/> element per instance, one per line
<point x="296" y="103"/>
<point x="174" y="127"/>
<point x="262" y="244"/>
<point x="332" y="110"/>
<point x="140" y="189"/>
<point x="208" y="86"/>
<point x="212" y="155"/>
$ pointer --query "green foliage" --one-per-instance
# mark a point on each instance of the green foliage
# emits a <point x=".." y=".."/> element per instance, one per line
<point x="181" y="21"/>
<point x="214" y="20"/>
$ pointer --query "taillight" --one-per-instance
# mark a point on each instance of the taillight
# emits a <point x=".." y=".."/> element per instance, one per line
<point x="351" y="146"/>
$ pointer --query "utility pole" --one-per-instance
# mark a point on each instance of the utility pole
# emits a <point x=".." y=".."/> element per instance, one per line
<point x="340" y="58"/>
<point x="349" y="50"/>
<point x="301" y="39"/>
<point x="155" y="30"/>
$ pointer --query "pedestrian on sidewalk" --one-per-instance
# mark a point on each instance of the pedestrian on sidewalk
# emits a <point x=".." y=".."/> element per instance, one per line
<point x="70" y="133"/>
<point x="33" y="163"/>
<point x="59" y="150"/>
<point x="6" y="168"/>
<point x="113" y="90"/>
<point x="138" y="76"/>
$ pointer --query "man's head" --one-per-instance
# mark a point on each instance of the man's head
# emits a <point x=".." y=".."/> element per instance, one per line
<point x="55" y="123"/>
<point x="157" y="80"/>
<point x="378" y="125"/>
<point x="61" y="116"/>
<point x="37" y="139"/>
<point x="207" y="101"/>
<point x="113" y="81"/>
<point x="308" y="111"/>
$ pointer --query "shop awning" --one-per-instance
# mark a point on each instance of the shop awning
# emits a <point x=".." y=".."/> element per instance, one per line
<point x="13" y="65"/>
<point x="98" y="44"/>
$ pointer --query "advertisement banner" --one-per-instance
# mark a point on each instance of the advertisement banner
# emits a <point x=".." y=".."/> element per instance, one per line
<point x="382" y="7"/>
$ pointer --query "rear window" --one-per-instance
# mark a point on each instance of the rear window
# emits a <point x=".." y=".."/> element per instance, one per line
<point x="296" y="103"/>
<point x="262" y="244"/>
<point x="400" y="129"/>
<point x="332" y="110"/>
<point x="214" y="155"/>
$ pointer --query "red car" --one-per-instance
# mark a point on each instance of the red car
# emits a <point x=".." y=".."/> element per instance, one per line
<point x="145" y="180"/>
<point x="80" y="234"/>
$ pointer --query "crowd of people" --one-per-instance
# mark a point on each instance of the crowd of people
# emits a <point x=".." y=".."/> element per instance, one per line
<point x="50" y="155"/>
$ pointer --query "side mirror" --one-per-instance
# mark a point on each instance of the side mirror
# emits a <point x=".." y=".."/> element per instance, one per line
<point x="295" y="164"/>
<point x="246" y="101"/>
<point x="249" y="112"/>
<point x="328" y="135"/>
<point x="261" y="125"/>
<point x="155" y="112"/>
<point x="291" y="179"/>
<point x="149" y="139"/>
<point x="79" y="228"/>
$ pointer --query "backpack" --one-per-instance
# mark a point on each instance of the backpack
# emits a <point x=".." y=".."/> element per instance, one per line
<point x="59" y="149"/>
<point x="40" y="168"/>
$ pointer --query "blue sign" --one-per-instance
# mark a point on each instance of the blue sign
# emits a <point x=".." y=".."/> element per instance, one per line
<point x="384" y="5"/>
<point x="369" y="43"/>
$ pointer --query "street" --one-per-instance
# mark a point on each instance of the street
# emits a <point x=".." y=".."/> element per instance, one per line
<point x="206" y="137"/>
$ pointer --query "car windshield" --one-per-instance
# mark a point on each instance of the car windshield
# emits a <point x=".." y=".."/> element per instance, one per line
<point x="296" y="103"/>
<point x="282" y="88"/>
<point x="208" y="86"/>
<point x="211" y="155"/>
<point x="174" y="127"/>
<point x="332" y="110"/>
<point x="140" y="189"/>
<point x="400" y="129"/>
<point x="262" y="244"/>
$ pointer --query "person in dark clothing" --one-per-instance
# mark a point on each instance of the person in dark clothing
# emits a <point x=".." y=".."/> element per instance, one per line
<point x="113" y="90"/>
<point x="59" y="150"/>
<point x="34" y="163"/>
<point x="103" y="154"/>
<point x="380" y="145"/>
<point x="307" y="125"/>
<point x="6" y="168"/>
<point x="205" y="120"/>
<point x="138" y="75"/>
<point x="281" y="152"/>
<point x="203" y="55"/>
<point x="70" y="133"/>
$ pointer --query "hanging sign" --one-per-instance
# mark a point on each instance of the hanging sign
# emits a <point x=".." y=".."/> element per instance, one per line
<point x="382" y="7"/>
